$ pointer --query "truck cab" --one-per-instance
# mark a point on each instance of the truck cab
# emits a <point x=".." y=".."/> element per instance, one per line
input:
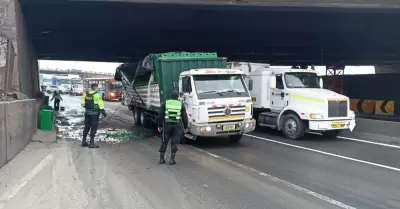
<point x="218" y="103"/>
<point x="294" y="101"/>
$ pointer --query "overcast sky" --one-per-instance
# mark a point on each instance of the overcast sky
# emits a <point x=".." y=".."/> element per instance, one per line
<point x="110" y="67"/>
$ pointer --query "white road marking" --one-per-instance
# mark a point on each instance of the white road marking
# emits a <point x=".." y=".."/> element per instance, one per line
<point x="24" y="181"/>
<point x="280" y="181"/>
<point x="361" y="140"/>
<point x="327" y="153"/>
<point x="369" y="142"/>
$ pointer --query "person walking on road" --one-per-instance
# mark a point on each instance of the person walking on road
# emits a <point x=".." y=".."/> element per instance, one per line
<point x="57" y="99"/>
<point x="93" y="105"/>
<point x="169" y="123"/>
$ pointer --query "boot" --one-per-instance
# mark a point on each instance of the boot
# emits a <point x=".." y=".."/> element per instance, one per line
<point x="84" y="143"/>
<point x="92" y="145"/>
<point x="162" y="160"/>
<point x="172" y="161"/>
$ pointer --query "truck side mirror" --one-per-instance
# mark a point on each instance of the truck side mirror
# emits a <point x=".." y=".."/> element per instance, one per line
<point x="272" y="82"/>
<point x="321" y="82"/>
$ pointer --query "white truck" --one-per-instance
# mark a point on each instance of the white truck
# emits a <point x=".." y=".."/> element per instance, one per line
<point x="218" y="103"/>
<point x="216" y="99"/>
<point x="294" y="101"/>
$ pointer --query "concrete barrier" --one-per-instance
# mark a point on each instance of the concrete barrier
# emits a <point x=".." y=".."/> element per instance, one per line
<point x="376" y="130"/>
<point x="3" y="136"/>
<point x="18" y="124"/>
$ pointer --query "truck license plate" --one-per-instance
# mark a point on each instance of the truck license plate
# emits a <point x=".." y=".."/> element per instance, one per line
<point x="337" y="124"/>
<point x="228" y="127"/>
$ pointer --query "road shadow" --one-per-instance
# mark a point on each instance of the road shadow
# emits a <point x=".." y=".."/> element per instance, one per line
<point x="214" y="143"/>
<point x="278" y="135"/>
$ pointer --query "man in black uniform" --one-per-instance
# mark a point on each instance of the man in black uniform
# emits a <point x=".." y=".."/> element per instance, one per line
<point x="94" y="105"/>
<point x="169" y="121"/>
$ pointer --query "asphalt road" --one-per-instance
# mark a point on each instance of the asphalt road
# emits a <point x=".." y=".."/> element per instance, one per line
<point x="265" y="171"/>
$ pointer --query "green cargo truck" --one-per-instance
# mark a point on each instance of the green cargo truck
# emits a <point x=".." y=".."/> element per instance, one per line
<point x="217" y="100"/>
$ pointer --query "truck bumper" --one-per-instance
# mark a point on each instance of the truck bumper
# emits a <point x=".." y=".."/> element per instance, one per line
<point x="223" y="128"/>
<point x="325" y="125"/>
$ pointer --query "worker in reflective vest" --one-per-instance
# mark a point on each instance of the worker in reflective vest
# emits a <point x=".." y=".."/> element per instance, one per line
<point x="93" y="104"/>
<point x="170" y="119"/>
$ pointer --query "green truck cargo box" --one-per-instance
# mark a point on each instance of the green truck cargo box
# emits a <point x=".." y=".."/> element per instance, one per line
<point x="168" y="66"/>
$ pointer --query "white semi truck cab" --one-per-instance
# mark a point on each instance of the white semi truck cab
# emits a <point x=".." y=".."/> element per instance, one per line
<point x="293" y="101"/>
<point x="218" y="103"/>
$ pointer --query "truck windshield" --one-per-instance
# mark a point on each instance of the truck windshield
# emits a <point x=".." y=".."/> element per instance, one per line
<point x="301" y="80"/>
<point x="219" y="86"/>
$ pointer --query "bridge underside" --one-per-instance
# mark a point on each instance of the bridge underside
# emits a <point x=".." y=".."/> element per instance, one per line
<point x="117" y="31"/>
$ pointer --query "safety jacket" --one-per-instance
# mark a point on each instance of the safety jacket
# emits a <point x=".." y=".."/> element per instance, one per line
<point x="92" y="102"/>
<point x="173" y="109"/>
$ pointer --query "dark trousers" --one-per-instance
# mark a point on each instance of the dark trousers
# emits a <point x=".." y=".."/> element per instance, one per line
<point x="91" y="124"/>
<point x="171" y="131"/>
<point x="56" y="104"/>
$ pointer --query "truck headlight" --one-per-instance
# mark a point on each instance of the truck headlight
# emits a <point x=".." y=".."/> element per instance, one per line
<point x="247" y="109"/>
<point x="205" y="128"/>
<point x="247" y="125"/>
<point x="316" y="116"/>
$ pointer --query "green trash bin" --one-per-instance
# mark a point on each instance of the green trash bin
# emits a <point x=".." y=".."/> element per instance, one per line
<point x="46" y="118"/>
<point x="46" y="107"/>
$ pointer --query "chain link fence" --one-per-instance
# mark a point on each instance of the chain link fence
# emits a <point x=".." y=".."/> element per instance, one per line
<point x="7" y="70"/>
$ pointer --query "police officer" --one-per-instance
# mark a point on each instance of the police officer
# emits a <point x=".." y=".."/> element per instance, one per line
<point x="94" y="105"/>
<point x="169" y="121"/>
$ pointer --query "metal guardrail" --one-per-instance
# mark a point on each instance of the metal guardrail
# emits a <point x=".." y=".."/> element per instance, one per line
<point x="74" y="71"/>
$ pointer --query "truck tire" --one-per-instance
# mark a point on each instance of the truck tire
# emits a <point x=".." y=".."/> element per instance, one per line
<point x="145" y="120"/>
<point x="103" y="97"/>
<point x="332" y="134"/>
<point x="235" y="138"/>
<point x="292" y="126"/>
<point x="136" y="116"/>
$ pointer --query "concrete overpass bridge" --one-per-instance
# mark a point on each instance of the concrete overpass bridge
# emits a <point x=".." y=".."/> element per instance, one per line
<point x="81" y="73"/>
<point x="286" y="32"/>
<point x="290" y="32"/>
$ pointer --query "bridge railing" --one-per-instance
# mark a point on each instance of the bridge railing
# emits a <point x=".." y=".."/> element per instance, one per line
<point x="75" y="71"/>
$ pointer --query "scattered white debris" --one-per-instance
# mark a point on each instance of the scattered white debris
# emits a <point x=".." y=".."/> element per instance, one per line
<point x="70" y="124"/>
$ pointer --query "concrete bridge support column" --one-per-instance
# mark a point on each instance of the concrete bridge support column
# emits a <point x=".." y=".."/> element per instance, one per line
<point x="18" y="119"/>
<point x="25" y="74"/>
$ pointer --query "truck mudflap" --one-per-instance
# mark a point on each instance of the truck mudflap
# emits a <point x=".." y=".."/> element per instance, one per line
<point x="348" y="124"/>
<point x="223" y="128"/>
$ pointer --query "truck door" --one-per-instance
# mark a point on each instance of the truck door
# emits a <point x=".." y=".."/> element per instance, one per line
<point x="278" y="95"/>
<point x="187" y="97"/>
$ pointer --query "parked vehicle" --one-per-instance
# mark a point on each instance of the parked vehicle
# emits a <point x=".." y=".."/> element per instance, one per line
<point x="64" y="88"/>
<point x="52" y="88"/>
<point x="216" y="98"/>
<point x="294" y="101"/>
<point x="76" y="90"/>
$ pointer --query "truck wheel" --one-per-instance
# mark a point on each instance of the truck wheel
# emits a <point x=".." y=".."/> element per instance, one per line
<point x="331" y="134"/>
<point x="103" y="97"/>
<point x="136" y="115"/>
<point x="235" y="138"/>
<point x="292" y="126"/>
<point x="145" y="120"/>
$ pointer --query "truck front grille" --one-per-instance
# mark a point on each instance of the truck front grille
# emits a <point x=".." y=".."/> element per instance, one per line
<point x="226" y="113"/>
<point x="337" y="108"/>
